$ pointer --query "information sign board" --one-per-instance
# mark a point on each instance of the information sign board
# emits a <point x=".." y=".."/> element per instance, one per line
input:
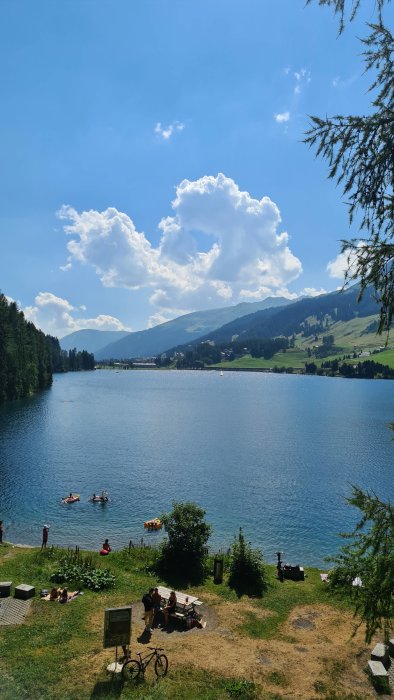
<point x="117" y="626"/>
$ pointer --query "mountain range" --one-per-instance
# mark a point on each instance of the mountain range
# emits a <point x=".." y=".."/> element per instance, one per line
<point x="120" y="345"/>
<point x="270" y="318"/>
<point x="293" y="318"/>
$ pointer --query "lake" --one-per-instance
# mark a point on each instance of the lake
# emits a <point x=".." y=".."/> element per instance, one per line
<point x="275" y="454"/>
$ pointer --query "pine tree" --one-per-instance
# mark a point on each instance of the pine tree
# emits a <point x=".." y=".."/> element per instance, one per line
<point x="369" y="557"/>
<point x="360" y="154"/>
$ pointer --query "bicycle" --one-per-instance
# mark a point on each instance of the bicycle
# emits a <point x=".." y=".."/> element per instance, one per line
<point x="133" y="668"/>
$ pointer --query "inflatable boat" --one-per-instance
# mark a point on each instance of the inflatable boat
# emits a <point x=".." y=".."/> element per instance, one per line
<point x="154" y="524"/>
<point x="72" y="498"/>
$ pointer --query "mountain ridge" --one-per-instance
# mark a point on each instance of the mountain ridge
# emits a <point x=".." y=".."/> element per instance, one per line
<point x="184" y="329"/>
<point x="290" y="319"/>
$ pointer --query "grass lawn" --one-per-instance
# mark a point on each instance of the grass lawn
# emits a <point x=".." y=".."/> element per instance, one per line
<point x="349" y="336"/>
<point x="295" y="358"/>
<point x="58" y="652"/>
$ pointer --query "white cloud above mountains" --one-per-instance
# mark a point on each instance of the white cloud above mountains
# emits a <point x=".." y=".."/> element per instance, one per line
<point x="344" y="262"/>
<point x="219" y="246"/>
<point x="55" y="316"/>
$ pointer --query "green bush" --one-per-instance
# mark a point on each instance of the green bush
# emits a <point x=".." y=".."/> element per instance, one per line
<point x="81" y="572"/>
<point x="247" y="572"/>
<point x="240" y="689"/>
<point x="183" y="556"/>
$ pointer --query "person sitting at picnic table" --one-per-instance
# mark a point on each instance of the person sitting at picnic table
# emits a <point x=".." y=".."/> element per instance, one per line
<point x="170" y="607"/>
<point x="194" y="618"/>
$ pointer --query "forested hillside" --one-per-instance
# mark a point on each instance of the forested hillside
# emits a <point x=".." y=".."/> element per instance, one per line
<point x="305" y="315"/>
<point x="25" y="359"/>
<point x="28" y="356"/>
<point x="320" y="327"/>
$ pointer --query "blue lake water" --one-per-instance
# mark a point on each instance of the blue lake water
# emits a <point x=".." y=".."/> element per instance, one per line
<point x="275" y="454"/>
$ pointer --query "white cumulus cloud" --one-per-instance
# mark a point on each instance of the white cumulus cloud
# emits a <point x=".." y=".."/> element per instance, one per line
<point x="312" y="292"/>
<point x="344" y="261"/>
<point x="56" y="316"/>
<point x="219" y="245"/>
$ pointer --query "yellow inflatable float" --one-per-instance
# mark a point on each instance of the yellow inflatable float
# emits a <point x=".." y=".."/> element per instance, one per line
<point x="154" y="524"/>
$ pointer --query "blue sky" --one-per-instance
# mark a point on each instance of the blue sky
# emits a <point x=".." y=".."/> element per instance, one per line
<point x="151" y="155"/>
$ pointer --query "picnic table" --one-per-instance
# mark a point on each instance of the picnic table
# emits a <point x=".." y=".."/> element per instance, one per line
<point x="184" y="602"/>
<point x="181" y="597"/>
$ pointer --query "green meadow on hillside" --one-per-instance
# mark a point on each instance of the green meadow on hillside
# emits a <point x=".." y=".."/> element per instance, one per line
<point x="349" y="337"/>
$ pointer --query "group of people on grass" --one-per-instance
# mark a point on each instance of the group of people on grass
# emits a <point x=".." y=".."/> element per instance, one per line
<point x="59" y="595"/>
<point x="152" y="607"/>
<point x="153" y="610"/>
<point x="154" y="613"/>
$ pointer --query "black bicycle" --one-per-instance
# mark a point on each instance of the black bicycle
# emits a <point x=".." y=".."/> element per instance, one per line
<point x="133" y="668"/>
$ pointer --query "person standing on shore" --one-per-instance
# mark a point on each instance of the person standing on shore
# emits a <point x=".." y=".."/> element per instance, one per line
<point x="45" y="532"/>
<point x="148" y="610"/>
<point x="156" y="598"/>
<point x="1" y="532"/>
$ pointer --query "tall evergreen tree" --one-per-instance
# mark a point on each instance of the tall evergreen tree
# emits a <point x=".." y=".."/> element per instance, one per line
<point x="360" y="154"/>
<point x="369" y="559"/>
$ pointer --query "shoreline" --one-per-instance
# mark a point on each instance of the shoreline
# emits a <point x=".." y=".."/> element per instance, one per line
<point x="93" y="551"/>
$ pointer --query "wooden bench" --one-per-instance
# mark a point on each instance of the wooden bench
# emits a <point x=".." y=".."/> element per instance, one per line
<point x="181" y="612"/>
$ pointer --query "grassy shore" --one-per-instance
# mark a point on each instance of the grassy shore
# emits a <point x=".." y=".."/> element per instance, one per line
<point x="58" y="652"/>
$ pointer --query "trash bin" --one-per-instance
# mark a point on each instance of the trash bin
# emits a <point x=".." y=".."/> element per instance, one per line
<point x="218" y="570"/>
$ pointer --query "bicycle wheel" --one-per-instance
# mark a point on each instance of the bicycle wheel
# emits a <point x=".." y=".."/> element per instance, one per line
<point x="131" y="670"/>
<point x="161" y="665"/>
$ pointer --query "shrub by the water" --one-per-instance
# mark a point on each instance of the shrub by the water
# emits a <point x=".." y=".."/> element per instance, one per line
<point x="183" y="556"/>
<point x="81" y="571"/>
<point x="247" y="572"/>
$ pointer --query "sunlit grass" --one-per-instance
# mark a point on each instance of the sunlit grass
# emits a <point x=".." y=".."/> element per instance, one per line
<point x="39" y="660"/>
